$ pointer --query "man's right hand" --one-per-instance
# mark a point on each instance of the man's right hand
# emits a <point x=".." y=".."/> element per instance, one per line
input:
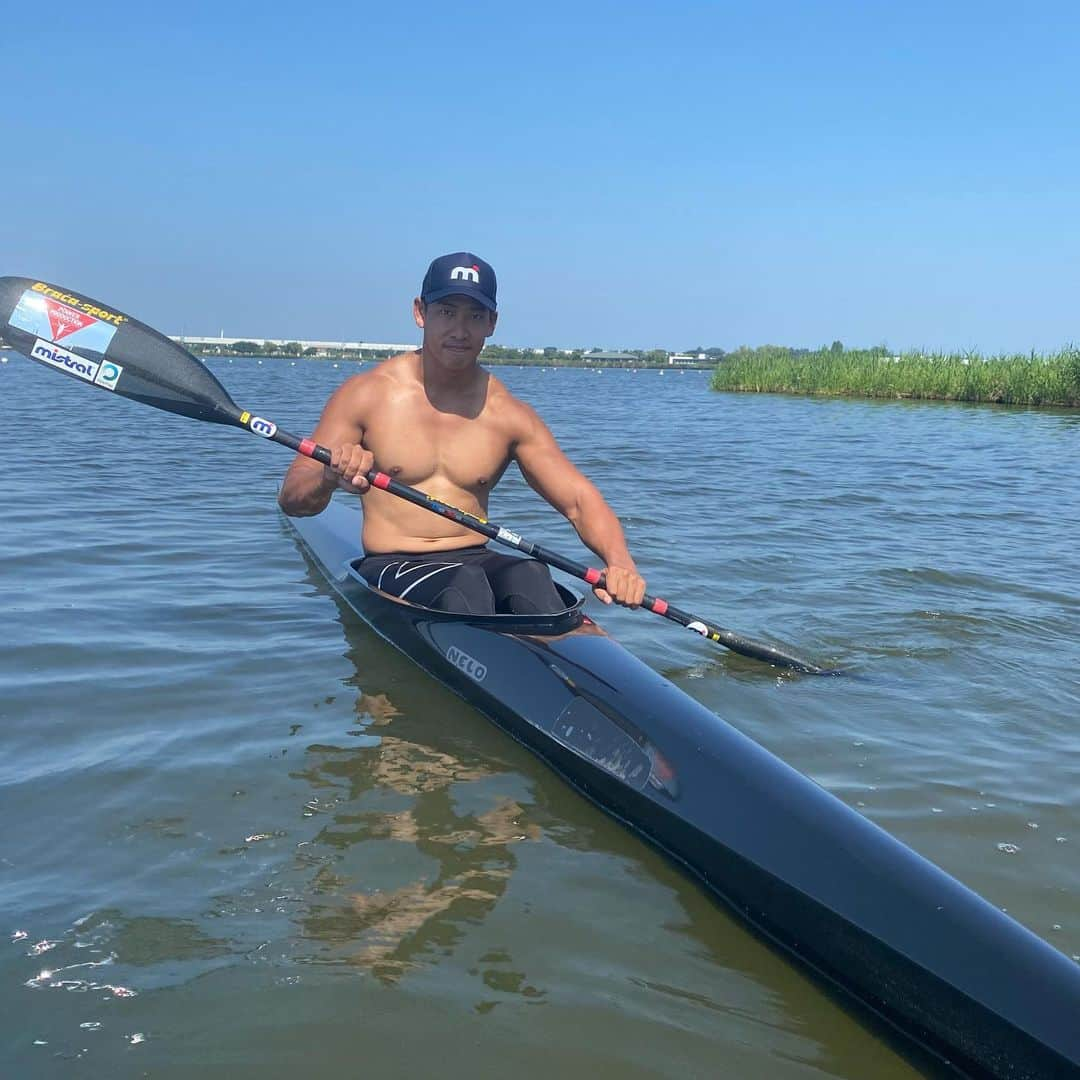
<point x="348" y="467"/>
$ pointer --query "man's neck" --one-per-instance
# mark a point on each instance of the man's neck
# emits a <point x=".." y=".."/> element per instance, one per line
<point x="439" y="379"/>
<point x="462" y="391"/>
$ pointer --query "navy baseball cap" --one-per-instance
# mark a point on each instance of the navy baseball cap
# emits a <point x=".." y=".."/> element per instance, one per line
<point x="461" y="273"/>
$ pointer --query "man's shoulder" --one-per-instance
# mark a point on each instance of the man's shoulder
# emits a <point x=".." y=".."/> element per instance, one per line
<point x="397" y="370"/>
<point x="400" y="368"/>
<point x="516" y="415"/>
<point x="500" y="396"/>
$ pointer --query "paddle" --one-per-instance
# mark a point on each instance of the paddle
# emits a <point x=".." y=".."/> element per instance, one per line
<point x="101" y="347"/>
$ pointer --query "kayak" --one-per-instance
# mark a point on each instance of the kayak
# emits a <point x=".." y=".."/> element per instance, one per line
<point x="862" y="911"/>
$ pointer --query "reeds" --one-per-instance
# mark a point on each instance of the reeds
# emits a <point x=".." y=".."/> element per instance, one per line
<point x="1008" y="380"/>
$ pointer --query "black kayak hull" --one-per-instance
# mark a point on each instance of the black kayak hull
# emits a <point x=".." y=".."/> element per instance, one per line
<point x="904" y="939"/>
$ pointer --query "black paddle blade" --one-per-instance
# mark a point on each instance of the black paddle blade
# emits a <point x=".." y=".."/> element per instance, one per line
<point x="758" y="650"/>
<point x="101" y="347"/>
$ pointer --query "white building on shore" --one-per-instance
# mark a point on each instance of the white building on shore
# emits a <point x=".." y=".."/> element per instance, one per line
<point x="323" y="348"/>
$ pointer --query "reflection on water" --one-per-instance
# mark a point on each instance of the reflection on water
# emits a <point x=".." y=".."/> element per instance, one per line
<point x="465" y="849"/>
<point x="423" y="819"/>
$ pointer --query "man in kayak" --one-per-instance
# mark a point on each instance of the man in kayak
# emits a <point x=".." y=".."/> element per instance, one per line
<point x="436" y="420"/>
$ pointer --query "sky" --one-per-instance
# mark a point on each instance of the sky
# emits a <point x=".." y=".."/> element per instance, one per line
<point x="641" y="175"/>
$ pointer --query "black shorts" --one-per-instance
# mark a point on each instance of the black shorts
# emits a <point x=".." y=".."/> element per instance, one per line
<point x="469" y="581"/>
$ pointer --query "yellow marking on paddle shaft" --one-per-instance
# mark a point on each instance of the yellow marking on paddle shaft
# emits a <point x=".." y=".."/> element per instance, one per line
<point x="461" y="513"/>
<point x="245" y="417"/>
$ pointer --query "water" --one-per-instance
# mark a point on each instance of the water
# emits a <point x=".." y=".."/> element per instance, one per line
<point x="241" y="831"/>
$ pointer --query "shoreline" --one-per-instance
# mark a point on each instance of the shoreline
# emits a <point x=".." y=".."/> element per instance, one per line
<point x="485" y="361"/>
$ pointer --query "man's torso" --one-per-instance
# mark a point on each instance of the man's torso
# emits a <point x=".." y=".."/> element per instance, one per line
<point x="454" y="447"/>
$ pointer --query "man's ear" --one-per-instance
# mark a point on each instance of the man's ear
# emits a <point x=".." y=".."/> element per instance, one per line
<point x="491" y="326"/>
<point x="418" y="310"/>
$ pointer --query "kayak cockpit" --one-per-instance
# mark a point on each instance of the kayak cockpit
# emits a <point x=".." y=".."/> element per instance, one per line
<point x="333" y="540"/>
<point x="552" y="624"/>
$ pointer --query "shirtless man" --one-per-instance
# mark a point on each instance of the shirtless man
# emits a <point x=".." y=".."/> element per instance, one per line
<point x="436" y="420"/>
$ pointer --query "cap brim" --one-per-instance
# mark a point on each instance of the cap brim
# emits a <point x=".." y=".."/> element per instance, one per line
<point x="461" y="290"/>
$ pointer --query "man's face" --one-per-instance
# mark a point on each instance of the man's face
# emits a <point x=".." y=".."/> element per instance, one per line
<point x="455" y="329"/>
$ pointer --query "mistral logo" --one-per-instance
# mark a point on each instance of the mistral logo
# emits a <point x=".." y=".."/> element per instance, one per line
<point x="105" y="374"/>
<point x="64" y="360"/>
<point x="473" y="668"/>
<point x="466" y="273"/>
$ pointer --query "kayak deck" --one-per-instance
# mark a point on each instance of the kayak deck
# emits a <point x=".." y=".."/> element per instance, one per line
<point x="905" y="940"/>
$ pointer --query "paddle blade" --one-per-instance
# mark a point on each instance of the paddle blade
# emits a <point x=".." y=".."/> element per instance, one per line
<point x="101" y="347"/>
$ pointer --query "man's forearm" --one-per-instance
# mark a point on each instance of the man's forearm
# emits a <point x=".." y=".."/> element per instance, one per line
<point x="307" y="493"/>
<point x="601" y="532"/>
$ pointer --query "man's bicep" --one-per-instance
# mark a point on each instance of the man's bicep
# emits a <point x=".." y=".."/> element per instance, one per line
<point x="342" y="419"/>
<point x="547" y="470"/>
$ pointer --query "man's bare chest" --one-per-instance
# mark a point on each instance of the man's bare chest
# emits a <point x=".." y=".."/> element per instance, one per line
<point x="417" y="444"/>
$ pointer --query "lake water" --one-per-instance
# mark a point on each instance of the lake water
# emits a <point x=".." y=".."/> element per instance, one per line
<point x="240" y="832"/>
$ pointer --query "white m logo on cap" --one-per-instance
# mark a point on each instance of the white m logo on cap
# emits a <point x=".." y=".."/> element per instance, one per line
<point x="465" y="273"/>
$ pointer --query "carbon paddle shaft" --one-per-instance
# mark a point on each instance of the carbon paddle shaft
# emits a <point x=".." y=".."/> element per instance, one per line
<point x="101" y="347"/>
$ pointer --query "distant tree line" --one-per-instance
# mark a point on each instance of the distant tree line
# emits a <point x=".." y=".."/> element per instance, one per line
<point x="555" y="357"/>
<point x="551" y="356"/>
<point x="288" y="349"/>
<point x="788" y="352"/>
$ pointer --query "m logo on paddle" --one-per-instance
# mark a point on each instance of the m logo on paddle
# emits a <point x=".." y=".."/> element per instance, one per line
<point x="262" y="427"/>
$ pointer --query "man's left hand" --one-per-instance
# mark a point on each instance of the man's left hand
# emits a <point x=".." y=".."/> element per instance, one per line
<point x="621" y="586"/>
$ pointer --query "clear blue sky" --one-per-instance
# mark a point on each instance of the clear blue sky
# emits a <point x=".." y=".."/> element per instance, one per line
<point x="639" y="174"/>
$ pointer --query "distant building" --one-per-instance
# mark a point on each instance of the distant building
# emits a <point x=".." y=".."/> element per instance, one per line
<point x="685" y="359"/>
<point x="611" y="358"/>
<point x="322" y="348"/>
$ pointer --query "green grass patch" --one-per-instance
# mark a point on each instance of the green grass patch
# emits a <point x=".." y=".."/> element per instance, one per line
<point x="1033" y="379"/>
